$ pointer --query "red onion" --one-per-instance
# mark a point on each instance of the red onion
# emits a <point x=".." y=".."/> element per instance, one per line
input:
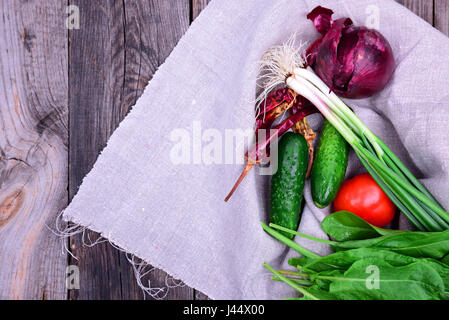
<point x="355" y="62"/>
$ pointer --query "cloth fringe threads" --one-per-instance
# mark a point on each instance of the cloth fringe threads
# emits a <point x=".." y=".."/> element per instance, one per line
<point x="65" y="230"/>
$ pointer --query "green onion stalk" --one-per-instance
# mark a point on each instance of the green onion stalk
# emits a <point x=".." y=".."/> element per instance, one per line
<point x="300" y="281"/>
<point x="285" y="65"/>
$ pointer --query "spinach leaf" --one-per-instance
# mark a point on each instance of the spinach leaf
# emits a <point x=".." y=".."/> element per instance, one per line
<point x="294" y="262"/>
<point x="442" y="269"/>
<point x="415" y="244"/>
<point x="327" y="270"/>
<point x="344" y="226"/>
<point x="415" y="281"/>
<point x="445" y="259"/>
<point x="406" y="261"/>
<point x="344" y="259"/>
<point x="321" y="294"/>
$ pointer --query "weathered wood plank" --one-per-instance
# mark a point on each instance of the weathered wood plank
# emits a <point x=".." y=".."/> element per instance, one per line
<point x="422" y="8"/>
<point x="33" y="97"/>
<point x="197" y="7"/>
<point x="96" y="80"/>
<point x="113" y="56"/>
<point x="153" y="28"/>
<point x="442" y="16"/>
<point x="33" y="147"/>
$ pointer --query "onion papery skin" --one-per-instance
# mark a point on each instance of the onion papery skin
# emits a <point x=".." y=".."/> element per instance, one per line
<point x="355" y="62"/>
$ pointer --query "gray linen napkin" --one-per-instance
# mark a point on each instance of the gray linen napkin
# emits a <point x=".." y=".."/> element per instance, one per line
<point x="172" y="214"/>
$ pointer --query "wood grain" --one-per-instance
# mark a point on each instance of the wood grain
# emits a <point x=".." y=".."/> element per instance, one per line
<point x="197" y="6"/>
<point x="442" y="16"/>
<point x="33" y="147"/>
<point x="422" y="8"/>
<point x="153" y="29"/>
<point x="97" y="72"/>
<point x="118" y="48"/>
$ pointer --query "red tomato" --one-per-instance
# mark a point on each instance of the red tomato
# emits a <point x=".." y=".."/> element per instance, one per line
<point x="363" y="197"/>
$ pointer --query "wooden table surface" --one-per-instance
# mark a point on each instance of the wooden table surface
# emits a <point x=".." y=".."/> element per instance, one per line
<point x="62" y="93"/>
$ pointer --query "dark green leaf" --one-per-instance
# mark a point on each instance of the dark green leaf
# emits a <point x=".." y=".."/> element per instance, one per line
<point x="295" y="262"/>
<point x="344" y="226"/>
<point x="416" y="244"/>
<point x="445" y="259"/>
<point x="342" y="260"/>
<point x="415" y="281"/>
<point x="441" y="268"/>
<point x="321" y="294"/>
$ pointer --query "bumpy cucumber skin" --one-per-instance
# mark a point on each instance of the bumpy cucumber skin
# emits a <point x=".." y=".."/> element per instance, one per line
<point x="287" y="184"/>
<point x="329" y="166"/>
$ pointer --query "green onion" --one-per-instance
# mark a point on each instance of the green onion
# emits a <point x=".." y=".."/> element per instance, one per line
<point x="290" y="243"/>
<point x="285" y="64"/>
<point x="291" y="283"/>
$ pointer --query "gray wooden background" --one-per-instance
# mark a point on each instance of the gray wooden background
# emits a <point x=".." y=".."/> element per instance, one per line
<point x="62" y="94"/>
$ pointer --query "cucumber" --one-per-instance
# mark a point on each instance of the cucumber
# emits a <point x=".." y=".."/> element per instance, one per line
<point x="329" y="167"/>
<point x="287" y="184"/>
